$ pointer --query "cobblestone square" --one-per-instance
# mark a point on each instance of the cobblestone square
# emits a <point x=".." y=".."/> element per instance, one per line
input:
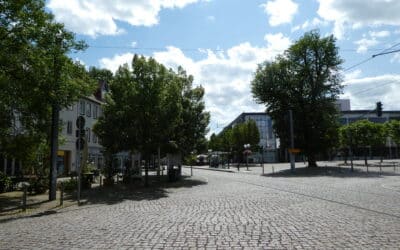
<point x="223" y="210"/>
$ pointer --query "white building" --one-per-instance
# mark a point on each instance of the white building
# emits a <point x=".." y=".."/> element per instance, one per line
<point x="90" y="109"/>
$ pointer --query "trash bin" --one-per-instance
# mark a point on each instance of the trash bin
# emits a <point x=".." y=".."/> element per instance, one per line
<point x="173" y="174"/>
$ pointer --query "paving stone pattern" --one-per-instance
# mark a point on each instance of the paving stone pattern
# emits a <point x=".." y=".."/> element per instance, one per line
<point x="227" y="211"/>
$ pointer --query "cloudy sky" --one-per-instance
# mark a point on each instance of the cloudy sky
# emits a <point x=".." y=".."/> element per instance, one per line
<point x="220" y="42"/>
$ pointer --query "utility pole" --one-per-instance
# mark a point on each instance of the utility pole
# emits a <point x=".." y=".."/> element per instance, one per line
<point x="55" y="116"/>
<point x="292" y="160"/>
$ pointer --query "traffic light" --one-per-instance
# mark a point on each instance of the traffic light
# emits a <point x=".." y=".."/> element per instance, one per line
<point x="379" y="109"/>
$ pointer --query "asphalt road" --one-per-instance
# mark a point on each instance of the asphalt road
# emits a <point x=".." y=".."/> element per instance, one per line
<point x="220" y="210"/>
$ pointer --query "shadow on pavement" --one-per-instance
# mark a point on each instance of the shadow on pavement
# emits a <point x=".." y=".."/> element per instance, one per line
<point x="340" y="172"/>
<point x="158" y="188"/>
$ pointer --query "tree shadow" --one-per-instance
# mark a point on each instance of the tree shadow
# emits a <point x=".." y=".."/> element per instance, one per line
<point x="159" y="187"/>
<point x="339" y="172"/>
<point x="136" y="191"/>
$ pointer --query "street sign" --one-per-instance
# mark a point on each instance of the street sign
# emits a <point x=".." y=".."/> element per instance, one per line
<point x="80" y="144"/>
<point x="294" y="150"/>
<point x="80" y="122"/>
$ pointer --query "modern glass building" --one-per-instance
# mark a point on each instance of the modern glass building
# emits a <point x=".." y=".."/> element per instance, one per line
<point x="267" y="136"/>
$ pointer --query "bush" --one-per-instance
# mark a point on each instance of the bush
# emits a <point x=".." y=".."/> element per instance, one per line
<point x="5" y="182"/>
<point x="70" y="185"/>
<point x="38" y="185"/>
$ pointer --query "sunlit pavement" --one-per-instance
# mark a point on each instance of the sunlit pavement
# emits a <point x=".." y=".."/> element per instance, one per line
<point x="214" y="209"/>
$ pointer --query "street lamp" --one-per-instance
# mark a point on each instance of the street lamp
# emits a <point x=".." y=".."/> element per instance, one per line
<point x="246" y="151"/>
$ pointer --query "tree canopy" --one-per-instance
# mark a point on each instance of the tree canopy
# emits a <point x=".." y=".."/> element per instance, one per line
<point x="35" y="72"/>
<point x="149" y="107"/>
<point x="306" y="80"/>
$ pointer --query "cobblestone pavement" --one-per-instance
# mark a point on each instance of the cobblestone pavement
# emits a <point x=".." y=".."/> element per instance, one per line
<point x="227" y="210"/>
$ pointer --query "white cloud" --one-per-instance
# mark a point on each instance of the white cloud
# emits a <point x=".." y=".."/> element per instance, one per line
<point x="97" y="17"/>
<point x="226" y="76"/>
<point x="380" y="34"/>
<point x="359" y="13"/>
<point x="307" y="25"/>
<point x="364" y="44"/>
<point x="352" y="75"/>
<point x="116" y="61"/>
<point x="280" y="11"/>
<point x="370" y="40"/>
<point x="365" y="92"/>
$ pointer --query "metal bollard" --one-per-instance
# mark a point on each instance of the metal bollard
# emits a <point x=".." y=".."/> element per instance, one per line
<point x="191" y="170"/>
<point x="263" y="169"/>
<point x="380" y="169"/>
<point x="273" y="170"/>
<point x="24" y="198"/>
<point x="62" y="194"/>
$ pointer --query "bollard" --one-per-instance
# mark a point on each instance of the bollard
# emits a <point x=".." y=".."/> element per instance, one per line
<point x="62" y="194"/>
<point x="101" y="180"/>
<point x="24" y="198"/>
<point x="380" y="169"/>
<point x="263" y="169"/>
<point x="273" y="170"/>
<point x="117" y="178"/>
<point x="191" y="170"/>
<point x="394" y="167"/>
<point x="367" y="169"/>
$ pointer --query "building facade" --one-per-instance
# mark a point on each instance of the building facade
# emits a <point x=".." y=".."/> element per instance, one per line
<point x="90" y="109"/>
<point x="268" y="140"/>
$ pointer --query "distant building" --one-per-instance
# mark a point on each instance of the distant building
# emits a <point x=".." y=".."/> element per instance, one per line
<point x="343" y="104"/>
<point x="267" y="135"/>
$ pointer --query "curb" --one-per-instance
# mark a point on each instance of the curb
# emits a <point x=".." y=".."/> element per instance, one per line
<point x="212" y="169"/>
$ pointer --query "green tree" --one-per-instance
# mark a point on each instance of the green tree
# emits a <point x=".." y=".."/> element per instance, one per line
<point x="214" y="143"/>
<point x="393" y="130"/>
<point x="363" y="134"/>
<point x="306" y="80"/>
<point x="150" y="107"/>
<point x="244" y="133"/>
<point x="37" y="78"/>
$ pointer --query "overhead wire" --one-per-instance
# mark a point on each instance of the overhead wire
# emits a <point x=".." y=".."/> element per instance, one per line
<point x="384" y="51"/>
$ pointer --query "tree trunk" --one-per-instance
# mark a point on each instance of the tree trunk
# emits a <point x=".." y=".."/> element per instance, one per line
<point x="366" y="156"/>
<point x="146" y="172"/>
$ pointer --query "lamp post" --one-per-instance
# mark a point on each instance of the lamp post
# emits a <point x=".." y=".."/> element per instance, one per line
<point x="246" y="151"/>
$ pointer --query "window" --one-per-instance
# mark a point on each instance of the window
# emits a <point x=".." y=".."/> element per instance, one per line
<point x="88" y="134"/>
<point x="82" y="107"/>
<point x="89" y="109"/>
<point x="95" y="108"/>
<point x="69" y="127"/>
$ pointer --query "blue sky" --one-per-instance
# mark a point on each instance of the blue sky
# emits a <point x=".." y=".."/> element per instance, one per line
<point x="220" y="42"/>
